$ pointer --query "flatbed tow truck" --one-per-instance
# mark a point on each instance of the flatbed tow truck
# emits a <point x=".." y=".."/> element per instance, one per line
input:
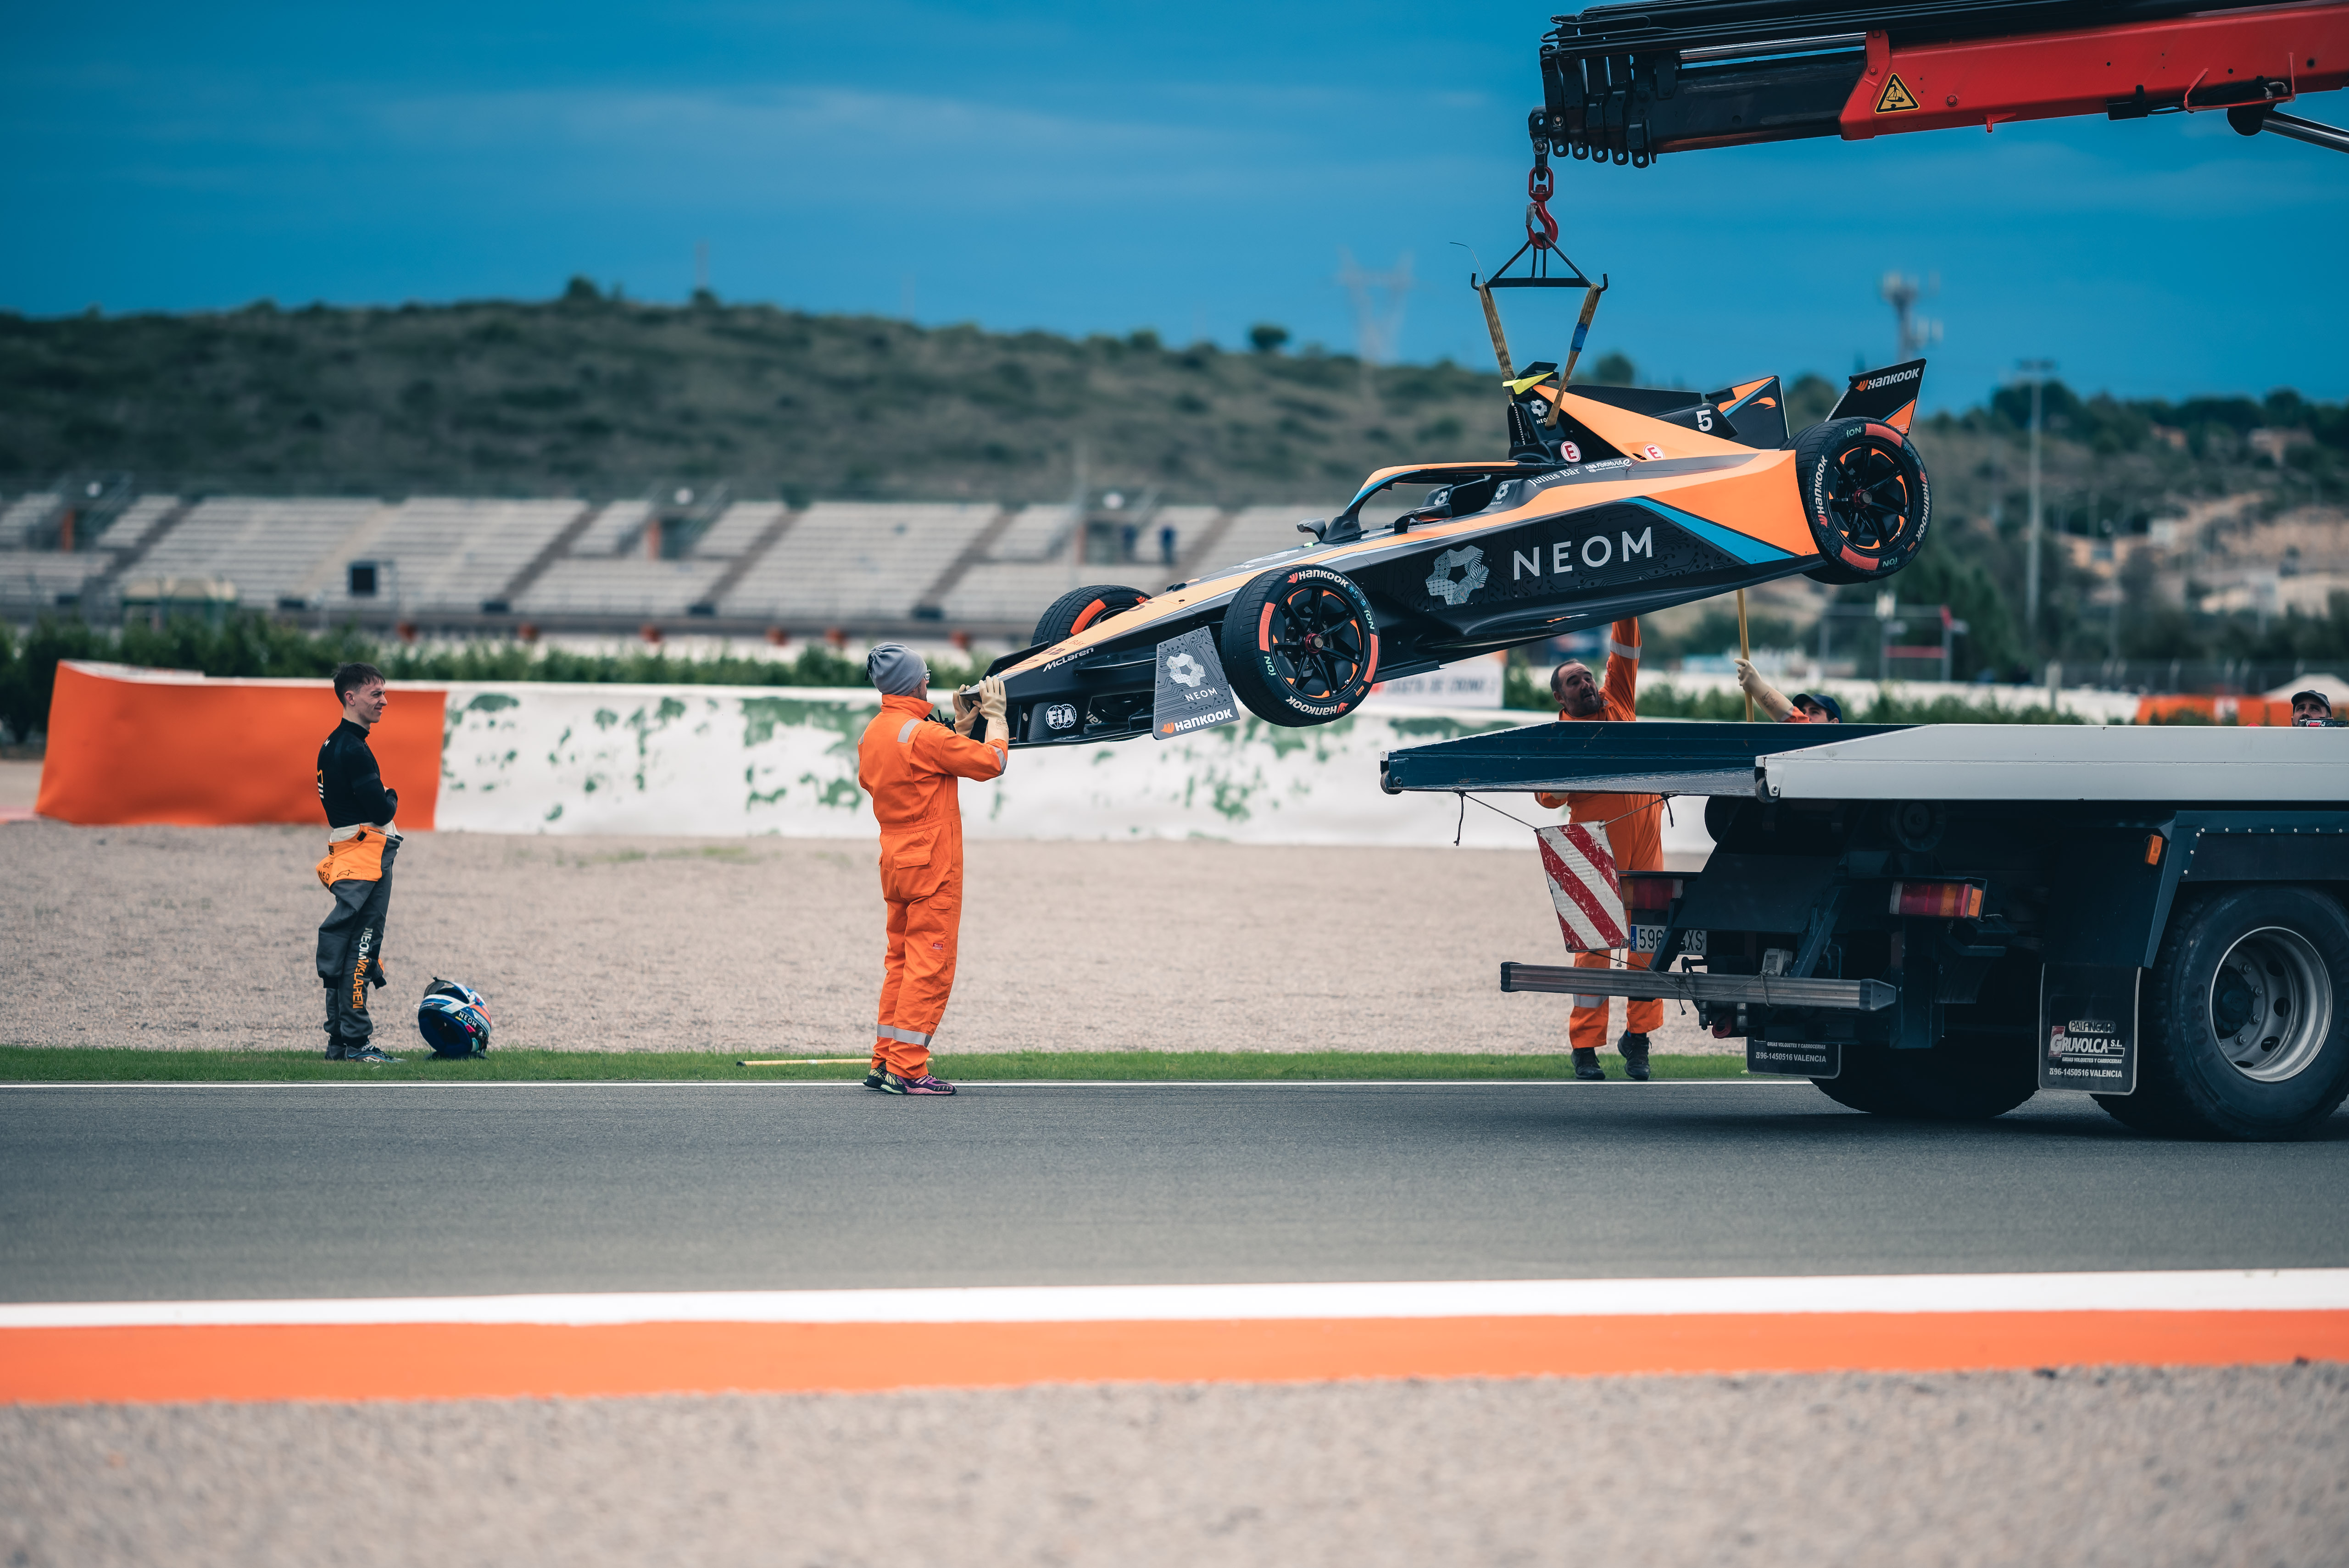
<point x="1938" y="921"/>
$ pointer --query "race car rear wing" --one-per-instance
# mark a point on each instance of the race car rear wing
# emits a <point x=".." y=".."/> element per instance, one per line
<point x="1625" y="83"/>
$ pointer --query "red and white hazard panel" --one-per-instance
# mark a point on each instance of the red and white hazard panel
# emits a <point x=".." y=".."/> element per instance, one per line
<point x="1582" y="884"/>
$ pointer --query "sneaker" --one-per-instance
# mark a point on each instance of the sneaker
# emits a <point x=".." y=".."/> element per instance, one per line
<point x="1586" y="1064"/>
<point x="370" y="1055"/>
<point x="1635" y="1055"/>
<point x="873" y="1079"/>
<point x="928" y="1083"/>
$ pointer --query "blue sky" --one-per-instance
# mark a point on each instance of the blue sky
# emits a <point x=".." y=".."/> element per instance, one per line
<point x="1101" y="168"/>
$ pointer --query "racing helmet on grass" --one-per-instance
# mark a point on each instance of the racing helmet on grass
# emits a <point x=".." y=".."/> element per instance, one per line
<point x="454" y="1019"/>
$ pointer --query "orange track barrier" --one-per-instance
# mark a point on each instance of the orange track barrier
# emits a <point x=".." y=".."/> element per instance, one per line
<point x="488" y="1361"/>
<point x="2218" y="709"/>
<point x="183" y="749"/>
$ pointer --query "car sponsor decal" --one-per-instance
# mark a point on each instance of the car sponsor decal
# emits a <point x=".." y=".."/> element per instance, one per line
<point x="1472" y="573"/>
<point x="1192" y="693"/>
<point x="1599" y="550"/>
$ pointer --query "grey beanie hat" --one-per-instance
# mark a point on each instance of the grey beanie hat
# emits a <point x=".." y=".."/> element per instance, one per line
<point x="896" y="670"/>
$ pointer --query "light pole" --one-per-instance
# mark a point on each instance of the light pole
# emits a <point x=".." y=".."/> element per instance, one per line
<point x="2037" y="370"/>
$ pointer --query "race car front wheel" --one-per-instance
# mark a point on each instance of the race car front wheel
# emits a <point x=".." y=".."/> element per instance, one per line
<point x="1080" y="607"/>
<point x="1300" y="646"/>
<point x="1865" y="492"/>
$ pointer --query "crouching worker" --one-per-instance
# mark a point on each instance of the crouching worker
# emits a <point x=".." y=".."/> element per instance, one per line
<point x="910" y="762"/>
<point x="1803" y="707"/>
<point x="361" y="841"/>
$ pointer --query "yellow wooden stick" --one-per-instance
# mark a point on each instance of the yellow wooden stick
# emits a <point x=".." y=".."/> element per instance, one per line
<point x="1743" y="651"/>
<point x="1500" y="341"/>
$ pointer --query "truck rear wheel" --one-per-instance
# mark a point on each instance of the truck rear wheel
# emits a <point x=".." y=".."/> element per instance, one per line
<point x="1968" y="1079"/>
<point x="2244" y="1020"/>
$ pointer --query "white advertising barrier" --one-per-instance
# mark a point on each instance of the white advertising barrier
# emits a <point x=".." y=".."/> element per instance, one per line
<point x="538" y="758"/>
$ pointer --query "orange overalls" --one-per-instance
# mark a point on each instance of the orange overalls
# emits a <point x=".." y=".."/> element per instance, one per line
<point x="908" y="765"/>
<point x="1635" y="836"/>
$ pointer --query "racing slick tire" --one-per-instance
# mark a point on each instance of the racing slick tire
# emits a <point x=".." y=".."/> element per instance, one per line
<point x="1866" y="495"/>
<point x="1957" y="1080"/>
<point x="1080" y="607"/>
<point x="2243" y="1022"/>
<point x="1300" y="646"/>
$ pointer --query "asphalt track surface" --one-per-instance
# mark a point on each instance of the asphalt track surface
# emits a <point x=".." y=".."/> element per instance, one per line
<point x="233" y="1191"/>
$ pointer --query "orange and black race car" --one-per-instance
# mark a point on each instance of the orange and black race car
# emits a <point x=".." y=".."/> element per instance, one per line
<point x="1613" y="501"/>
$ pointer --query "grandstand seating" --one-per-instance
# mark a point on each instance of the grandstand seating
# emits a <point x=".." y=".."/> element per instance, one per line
<point x="737" y="528"/>
<point x="36" y="579"/>
<point x="850" y="561"/>
<point x="625" y="586"/>
<point x="840" y="563"/>
<point x="1258" y="530"/>
<point x="135" y="519"/>
<point x="24" y="514"/>
<point x="268" y="548"/>
<point x="616" y="525"/>
<point x="448" y="553"/>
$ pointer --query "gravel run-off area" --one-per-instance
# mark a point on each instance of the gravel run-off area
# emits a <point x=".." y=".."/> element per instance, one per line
<point x="2238" y="1466"/>
<point x="206" y="937"/>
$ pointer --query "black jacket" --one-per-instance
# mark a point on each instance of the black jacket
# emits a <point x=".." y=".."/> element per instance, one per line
<point x="350" y="786"/>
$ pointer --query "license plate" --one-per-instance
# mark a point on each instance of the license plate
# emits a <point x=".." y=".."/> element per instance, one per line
<point x="1645" y="937"/>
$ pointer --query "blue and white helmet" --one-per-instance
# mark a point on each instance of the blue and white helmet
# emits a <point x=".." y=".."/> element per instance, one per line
<point x="455" y="1019"/>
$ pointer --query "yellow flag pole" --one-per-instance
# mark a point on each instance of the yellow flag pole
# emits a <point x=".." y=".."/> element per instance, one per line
<point x="1743" y="651"/>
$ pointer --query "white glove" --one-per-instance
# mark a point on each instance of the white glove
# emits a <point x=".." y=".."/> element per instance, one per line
<point x="1751" y="678"/>
<point x="993" y="700"/>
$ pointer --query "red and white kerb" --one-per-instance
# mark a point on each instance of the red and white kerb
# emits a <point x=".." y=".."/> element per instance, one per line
<point x="1582" y="885"/>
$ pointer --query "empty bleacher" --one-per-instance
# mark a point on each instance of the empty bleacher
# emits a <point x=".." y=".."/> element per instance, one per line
<point x="454" y="560"/>
<point x="1258" y="531"/>
<point x="614" y="527"/>
<point x="442" y="552"/>
<point x="737" y="528"/>
<point x="268" y="547"/>
<point x="132" y="525"/>
<point x="26" y="513"/>
<point x="625" y="586"/>
<point x="33" y="580"/>
<point x="845" y="562"/>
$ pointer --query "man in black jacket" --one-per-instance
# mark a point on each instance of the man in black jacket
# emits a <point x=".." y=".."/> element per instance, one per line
<point x="361" y="841"/>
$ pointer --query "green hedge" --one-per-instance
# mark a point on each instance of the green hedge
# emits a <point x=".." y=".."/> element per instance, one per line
<point x="1663" y="700"/>
<point x="250" y="644"/>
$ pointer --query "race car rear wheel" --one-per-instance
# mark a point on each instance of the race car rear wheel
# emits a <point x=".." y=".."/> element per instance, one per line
<point x="1865" y="492"/>
<point x="1300" y="646"/>
<point x="1080" y="607"/>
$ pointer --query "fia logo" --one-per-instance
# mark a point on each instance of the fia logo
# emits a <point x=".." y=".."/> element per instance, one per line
<point x="1061" y="716"/>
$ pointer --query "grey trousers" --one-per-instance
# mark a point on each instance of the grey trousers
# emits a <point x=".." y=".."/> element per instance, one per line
<point x="350" y="956"/>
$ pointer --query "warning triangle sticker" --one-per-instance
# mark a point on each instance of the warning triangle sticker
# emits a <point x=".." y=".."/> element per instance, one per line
<point x="1897" y="97"/>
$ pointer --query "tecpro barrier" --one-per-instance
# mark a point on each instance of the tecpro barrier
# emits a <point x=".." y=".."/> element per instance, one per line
<point x="142" y="746"/>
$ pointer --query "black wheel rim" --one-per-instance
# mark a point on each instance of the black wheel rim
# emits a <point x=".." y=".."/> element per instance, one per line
<point x="1318" y="641"/>
<point x="1867" y="497"/>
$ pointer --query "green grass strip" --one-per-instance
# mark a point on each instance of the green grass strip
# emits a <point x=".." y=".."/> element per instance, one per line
<point x="42" y="1064"/>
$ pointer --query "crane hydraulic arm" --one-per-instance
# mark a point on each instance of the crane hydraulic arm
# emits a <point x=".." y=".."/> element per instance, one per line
<point x="1625" y="83"/>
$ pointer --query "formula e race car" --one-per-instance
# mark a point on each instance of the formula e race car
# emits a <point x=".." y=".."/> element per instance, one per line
<point x="1613" y="501"/>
